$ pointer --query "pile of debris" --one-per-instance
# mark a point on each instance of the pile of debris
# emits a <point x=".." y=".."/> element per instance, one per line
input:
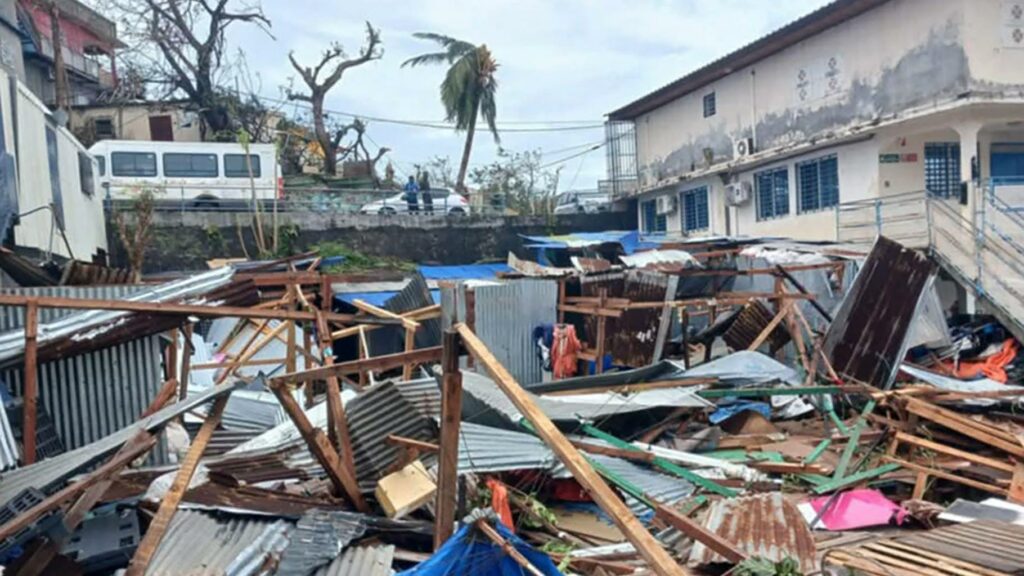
<point x="614" y="407"/>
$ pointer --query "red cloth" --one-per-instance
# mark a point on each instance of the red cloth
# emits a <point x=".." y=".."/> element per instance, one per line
<point x="564" y="348"/>
<point x="990" y="367"/>
<point x="499" y="502"/>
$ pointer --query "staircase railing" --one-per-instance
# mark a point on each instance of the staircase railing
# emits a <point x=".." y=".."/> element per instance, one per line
<point x="986" y="254"/>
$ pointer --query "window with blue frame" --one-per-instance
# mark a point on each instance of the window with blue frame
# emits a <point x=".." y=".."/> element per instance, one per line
<point x="817" y="184"/>
<point x="651" y="221"/>
<point x="1007" y="163"/>
<point x="942" y="169"/>
<point x="771" y="190"/>
<point x="695" y="209"/>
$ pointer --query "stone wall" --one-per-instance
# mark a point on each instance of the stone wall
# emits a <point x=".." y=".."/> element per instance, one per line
<point x="186" y="240"/>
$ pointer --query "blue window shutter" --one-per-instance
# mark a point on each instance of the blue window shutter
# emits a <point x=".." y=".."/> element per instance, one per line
<point x="54" y="164"/>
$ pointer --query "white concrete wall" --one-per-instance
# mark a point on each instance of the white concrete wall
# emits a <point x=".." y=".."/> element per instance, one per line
<point x="904" y="54"/>
<point x="83" y="215"/>
<point x="132" y="122"/>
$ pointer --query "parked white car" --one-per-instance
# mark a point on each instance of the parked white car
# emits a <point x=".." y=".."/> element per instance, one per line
<point x="582" y="202"/>
<point x="445" y="201"/>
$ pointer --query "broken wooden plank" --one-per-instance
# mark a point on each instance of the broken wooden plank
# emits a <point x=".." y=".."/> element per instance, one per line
<point x="507" y="548"/>
<point x="648" y="547"/>
<point x="376" y="364"/>
<point x="698" y="533"/>
<point x="321" y="448"/>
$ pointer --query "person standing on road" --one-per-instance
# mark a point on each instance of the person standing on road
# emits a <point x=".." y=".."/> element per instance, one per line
<point x="428" y="198"/>
<point x="411" y="191"/>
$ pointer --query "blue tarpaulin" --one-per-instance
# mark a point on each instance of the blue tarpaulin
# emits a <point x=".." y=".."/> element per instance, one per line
<point x="629" y="240"/>
<point x="726" y="411"/>
<point x="468" y="552"/>
<point x="464" y="271"/>
<point x="378" y="298"/>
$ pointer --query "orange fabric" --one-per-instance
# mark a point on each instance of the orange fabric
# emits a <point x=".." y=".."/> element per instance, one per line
<point x="499" y="502"/>
<point x="564" y="347"/>
<point x="990" y="367"/>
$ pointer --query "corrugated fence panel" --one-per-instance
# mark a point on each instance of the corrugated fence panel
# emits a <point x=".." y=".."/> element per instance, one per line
<point x="505" y="318"/>
<point x="95" y="394"/>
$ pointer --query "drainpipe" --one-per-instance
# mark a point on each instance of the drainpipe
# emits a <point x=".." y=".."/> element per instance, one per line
<point x="753" y="107"/>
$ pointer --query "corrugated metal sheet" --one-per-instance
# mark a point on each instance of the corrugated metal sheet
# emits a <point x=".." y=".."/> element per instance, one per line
<point x="13" y="317"/>
<point x="361" y="561"/>
<point x="661" y="487"/>
<point x="638" y="336"/>
<point x="52" y="472"/>
<point x="748" y="325"/>
<point x="205" y="544"/>
<point x="505" y="318"/>
<point x="98" y="393"/>
<point x="424" y="394"/>
<point x="319" y="536"/>
<point x="373" y="415"/>
<point x="415" y="295"/>
<point x="89" y="324"/>
<point x="486" y="449"/>
<point x="868" y="336"/>
<point x="763" y="526"/>
<point x="981" y="546"/>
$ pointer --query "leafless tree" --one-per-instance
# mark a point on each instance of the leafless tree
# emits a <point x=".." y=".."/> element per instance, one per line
<point x="335" y="59"/>
<point x="134" y="229"/>
<point x="181" y="43"/>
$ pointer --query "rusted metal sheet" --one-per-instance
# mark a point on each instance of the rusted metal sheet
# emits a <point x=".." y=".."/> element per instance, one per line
<point x="84" y="274"/>
<point x="748" y="325"/>
<point x="868" y="337"/>
<point x="633" y="338"/>
<point x="763" y="526"/>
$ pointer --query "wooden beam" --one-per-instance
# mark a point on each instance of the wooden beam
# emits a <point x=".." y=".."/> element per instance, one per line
<point x="698" y="533"/>
<point x="51" y="502"/>
<point x="966" y="426"/>
<point x="419" y="314"/>
<point x="648" y="547"/>
<point x="638" y="387"/>
<point x="186" y="361"/>
<point x="337" y="420"/>
<point x="382" y="313"/>
<point x="779" y="317"/>
<point x="322" y="450"/>
<point x="167" y="392"/>
<point x="994" y="463"/>
<point x="171" y="359"/>
<point x="448" y="459"/>
<point x="376" y="364"/>
<point x="485" y="527"/>
<point x="169" y="504"/>
<point x="412" y="443"/>
<point x="30" y="397"/>
<point x="410" y="345"/>
<point x="174" y="309"/>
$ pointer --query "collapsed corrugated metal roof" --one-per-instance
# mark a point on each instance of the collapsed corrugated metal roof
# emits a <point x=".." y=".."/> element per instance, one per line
<point x="486" y="449"/>
<point x="763" y="526"/>
<point x="660" y="487"/>
<point x="206" y="544"/>
<point x="50" y="473"/>
<point x="318" y="538"/>
<point x="90" y="324"/>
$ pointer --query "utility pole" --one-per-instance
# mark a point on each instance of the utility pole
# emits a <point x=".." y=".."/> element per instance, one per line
<point x="59" y="71"/>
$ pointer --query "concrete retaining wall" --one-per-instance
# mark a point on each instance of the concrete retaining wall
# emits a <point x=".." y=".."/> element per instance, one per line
<point x="186" y="240"/>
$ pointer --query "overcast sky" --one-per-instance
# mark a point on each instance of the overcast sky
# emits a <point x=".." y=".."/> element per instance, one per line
<point x="560" y="60"/>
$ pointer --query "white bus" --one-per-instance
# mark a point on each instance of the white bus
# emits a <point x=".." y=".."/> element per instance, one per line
<point x="193" y="173"/>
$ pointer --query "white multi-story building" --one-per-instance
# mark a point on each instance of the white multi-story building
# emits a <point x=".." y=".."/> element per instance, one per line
<point x="859" y="100"/>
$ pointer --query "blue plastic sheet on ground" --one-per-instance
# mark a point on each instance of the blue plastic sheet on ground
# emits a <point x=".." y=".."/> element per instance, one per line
<point x="726" y="411"/>
<point x="468" y="552"/>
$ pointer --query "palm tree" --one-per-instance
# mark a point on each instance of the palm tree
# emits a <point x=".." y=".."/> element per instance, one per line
<point x="467" y="90"/>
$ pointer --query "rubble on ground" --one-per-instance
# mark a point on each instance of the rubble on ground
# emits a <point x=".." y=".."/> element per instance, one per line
<point x="607" y="405"/>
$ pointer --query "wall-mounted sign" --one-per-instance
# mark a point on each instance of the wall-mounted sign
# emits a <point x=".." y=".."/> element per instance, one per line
<point x="897" y="158"/>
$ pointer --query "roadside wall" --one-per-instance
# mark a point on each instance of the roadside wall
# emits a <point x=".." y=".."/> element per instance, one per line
<point x="186" y="240"/>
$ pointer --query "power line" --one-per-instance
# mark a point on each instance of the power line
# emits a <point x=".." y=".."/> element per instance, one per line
<point x="576" y="155"/>
<point x="433" y="125"/>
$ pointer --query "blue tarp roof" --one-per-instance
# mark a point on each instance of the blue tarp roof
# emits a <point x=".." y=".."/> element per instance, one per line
<point x="378" y="298"/>
<point x="630" y="240"/>
<point x="464" y="271"/>
<point x="467" y="552"/>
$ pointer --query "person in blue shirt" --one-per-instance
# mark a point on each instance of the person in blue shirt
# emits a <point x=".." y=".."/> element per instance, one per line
<point x="411" y="194"/>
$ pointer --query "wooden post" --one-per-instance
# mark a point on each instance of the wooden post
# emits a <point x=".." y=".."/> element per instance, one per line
<point x="307" y="345"/>
<point x="484" y="526"/>
<point x="169" y="504"/>
<point x="648" y="547"/>
<point x="561" y="300"/>
<point x="684" y="321"/>
<point x="602" y="295"/>
<point x="344" y="481"/>
<point x="337" y="420"/>
<point x="186" y="361"/>
<point x="410" y="345"/>
<point x="291" y="363"/>
<point x="171" y="359"/>
<point x="364" y="352"/>
<point x="779" y="317"/>
<point x="451" y="418"/>
<point x="31" y="395"/>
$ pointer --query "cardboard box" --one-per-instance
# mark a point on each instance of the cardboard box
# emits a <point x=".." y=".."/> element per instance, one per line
<point x="402" y="492"/>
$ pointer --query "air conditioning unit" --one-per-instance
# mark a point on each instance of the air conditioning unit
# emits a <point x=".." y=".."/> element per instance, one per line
<point x="742" y="147"/>
<point x="738" y="193"/>
<point x="666" y="204"/>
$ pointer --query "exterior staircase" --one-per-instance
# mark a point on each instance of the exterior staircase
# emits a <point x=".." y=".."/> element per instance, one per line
<point x="981" y="245"/>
